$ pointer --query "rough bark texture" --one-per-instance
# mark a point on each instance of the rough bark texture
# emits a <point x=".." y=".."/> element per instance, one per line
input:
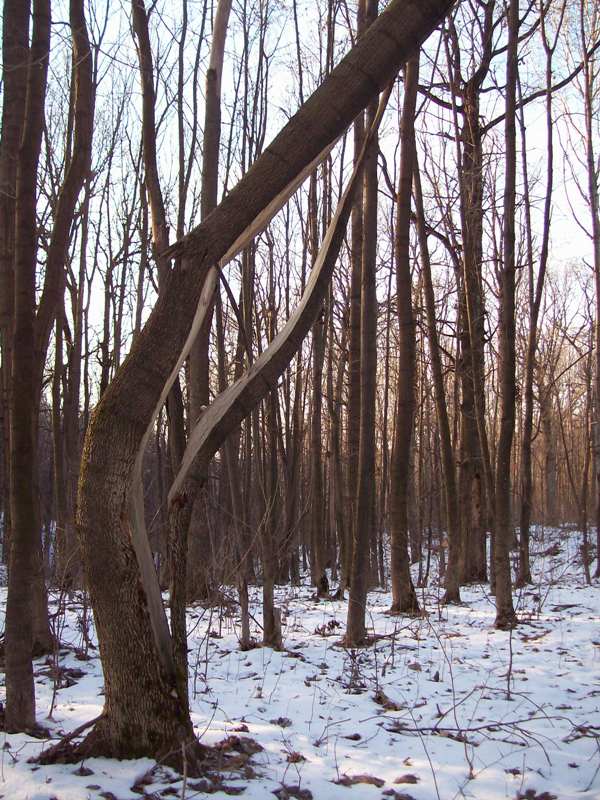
<point x="404" y="598"/>
<point x="364" y="513"/>
<point x="23" y="566"/>
<point x="15" y="33"/>
<point x="447" y="453"/>
<point x="141" y="713"/>
<point x="505" y="615"/>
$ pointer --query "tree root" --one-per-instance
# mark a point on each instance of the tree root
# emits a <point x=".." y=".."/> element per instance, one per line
<point x="189" y="757"/>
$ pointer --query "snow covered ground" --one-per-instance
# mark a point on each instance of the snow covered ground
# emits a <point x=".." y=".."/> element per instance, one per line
<point x="439" y="707"/>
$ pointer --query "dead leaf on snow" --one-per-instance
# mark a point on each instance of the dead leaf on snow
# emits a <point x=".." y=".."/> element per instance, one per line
<point x="282" y="722"/>
<point x="285" y="792"/>
<point x="352" y="780"/>
<point x="531" y="794"/>
<point x="381" y="698"/>
<point x="295" y="757"/>
<point x="408" y="778"/>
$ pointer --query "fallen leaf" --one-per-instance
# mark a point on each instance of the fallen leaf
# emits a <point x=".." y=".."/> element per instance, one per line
<point x="408" y="778"/>
<point x="352" y="780"/>
<point x="381" y="698"/>
<point x="285" y="792"/>
<point x="282" y="722"/>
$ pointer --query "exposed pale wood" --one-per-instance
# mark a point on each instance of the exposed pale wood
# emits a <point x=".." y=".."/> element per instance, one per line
<point x="236" y="402"/>
<point x="141" y="714"/>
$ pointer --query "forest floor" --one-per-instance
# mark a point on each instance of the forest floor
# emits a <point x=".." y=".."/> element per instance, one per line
<point x="443" y="706"/>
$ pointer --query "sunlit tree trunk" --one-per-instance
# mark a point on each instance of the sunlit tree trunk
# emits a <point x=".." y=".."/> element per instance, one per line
<point x="505" y="615"/>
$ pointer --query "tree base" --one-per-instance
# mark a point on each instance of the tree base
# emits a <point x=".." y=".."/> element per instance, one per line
<point x="191" y="758"/>
<point x="452" y="597"/>
<point x="506" y="620"/>
<point x="523" y="580"/>
<point x="186" y="756"/>
<point x="322" y="588"/>
<point x="409" y="607"/>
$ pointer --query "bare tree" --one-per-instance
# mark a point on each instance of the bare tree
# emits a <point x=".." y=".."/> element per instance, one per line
<point x="131" y="726"/>
<point x="404" y="599"/>
<point x="505" y="615"/>
<point x="25" y="538"/>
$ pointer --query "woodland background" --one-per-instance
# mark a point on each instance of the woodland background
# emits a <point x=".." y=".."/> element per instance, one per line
<point x="447" y="395"/>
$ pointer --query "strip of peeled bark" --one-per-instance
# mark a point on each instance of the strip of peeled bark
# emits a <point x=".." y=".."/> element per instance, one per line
<point x="234" y="404"/>
<point x="143" y="714"/>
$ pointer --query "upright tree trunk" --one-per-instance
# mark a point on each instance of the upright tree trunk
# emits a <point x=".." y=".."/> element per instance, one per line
<point x="594" y="204"/>
<point x="25" y="540"/>
<point x="404" y="598"/>
<point x="364" y="516"/>
<point x="317" y="498"/>
<point x="452" y="582"/>
<point x="505" y="614"/>
<point x="354" y="363"/>
<point x="15" y="53"/>
<point x="199" y="539"/>
<point x="535" y="290"/>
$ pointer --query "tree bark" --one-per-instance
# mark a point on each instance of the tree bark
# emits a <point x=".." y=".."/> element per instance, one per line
<point x="26" y="542"/>
<point x="15" y="46"/>
<point x="404" y="598"/>
<point x="142" y="715"/>
<point x="452" y="578"/>
<point x="505" y="614"/>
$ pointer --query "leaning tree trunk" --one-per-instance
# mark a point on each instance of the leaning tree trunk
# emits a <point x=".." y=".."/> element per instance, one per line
<point x="143" y="713"/>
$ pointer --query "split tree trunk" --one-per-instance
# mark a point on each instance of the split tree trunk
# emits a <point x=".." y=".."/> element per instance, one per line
<point x="143" y="714"/>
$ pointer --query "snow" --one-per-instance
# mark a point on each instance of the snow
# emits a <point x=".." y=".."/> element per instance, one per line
<point x="469" y="711"/>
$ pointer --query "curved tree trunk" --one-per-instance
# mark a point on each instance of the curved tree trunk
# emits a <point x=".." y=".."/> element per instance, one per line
<point x="143" y="713"/>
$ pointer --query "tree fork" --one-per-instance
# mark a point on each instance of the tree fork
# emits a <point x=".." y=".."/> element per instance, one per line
<point x="142" y="715"/>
